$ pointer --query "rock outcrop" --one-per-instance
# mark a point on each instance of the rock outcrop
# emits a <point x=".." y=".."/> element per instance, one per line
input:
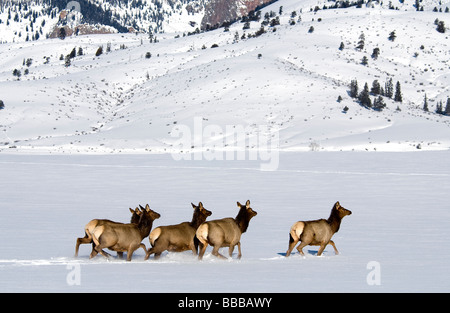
<point x="218" y="12"/>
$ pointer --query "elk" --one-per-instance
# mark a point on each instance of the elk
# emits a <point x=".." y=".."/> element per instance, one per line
<point x="178" y="237"/>
<point x="225" y="232"/>
<point x="98" y="222"/>
<point x="124" y="237"/>
<point x="317" y="232"/>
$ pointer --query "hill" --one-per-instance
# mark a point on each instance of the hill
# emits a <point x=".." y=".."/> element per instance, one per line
<point x="281" y="81"/>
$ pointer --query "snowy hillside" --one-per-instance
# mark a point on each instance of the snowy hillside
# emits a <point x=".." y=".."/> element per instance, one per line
<point x="289" y="81"/>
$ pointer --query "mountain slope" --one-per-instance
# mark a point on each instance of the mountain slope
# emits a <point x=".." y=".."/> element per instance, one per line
<point x="284" y="83"/>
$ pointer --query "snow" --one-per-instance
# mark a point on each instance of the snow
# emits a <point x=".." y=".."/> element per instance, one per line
<point x="398" y="200"/>
<point x="100" y="136"/>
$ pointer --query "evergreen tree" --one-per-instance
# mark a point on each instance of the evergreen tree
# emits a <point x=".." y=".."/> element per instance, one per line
<point x="73" y="53"/>
<point x="354" y="88"/>
<point x="361" y="43"/>
<point x="439" y="108"/>
<point x="2" y="105"/>
<point x="425" y="103"/>
<point x="389" y="88"/>
<point x="375" y="53"/>
<point x="392" y="36"/>
<point x="376" y="88"/>
<point x="364" y="60"/>
<point x="67" y="61"/>
<point x="62" y="33"/>
<point x="99" y="51"/>
<point x="447" y="107"/>
<point x="364" y="97"/>
<point x="378" y="103"/>
<point x="398" y="93"/>
<point x="341" y="47"/>
<point x="441" y="27"/>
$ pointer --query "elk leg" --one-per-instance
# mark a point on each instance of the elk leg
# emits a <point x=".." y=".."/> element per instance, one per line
<point x="202" y="250"/>
<point x="99" y="249"/>
<point x="230" y="250"/>
<point x="322" y="247"/>
<point x="143" y="247"/>
<point x="292" y="243"/>
<point x="147" y="255"/>
<point x="120" y="255"/>
<point x="84" y="240"/>
<point x="301" y="246"/>
<point x="334" y="246"/>
<point x="239" y="249"/>
<point x="216" y="253"/>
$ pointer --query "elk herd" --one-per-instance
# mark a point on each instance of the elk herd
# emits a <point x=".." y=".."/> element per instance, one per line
<point x="197" y="234"/>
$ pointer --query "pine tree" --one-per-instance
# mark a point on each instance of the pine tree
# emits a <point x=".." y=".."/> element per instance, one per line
<point x="341" y="47"/>
<point x="447" y="107"/>
<point x="354" y="88"/>
<point x="99" y="51"/>
<point x="439" y="108"/>
<point x="398" y="93"/>
<point x="67" y="61"/>
<point x="425" y="103"/>
<point x="378" y="103"/>
<point x="389" y="88"/>
<point x="375" y="53"/>
<point x="376" y="88"/>
<point x="62" y="33"/>
<point x="360" y="45"/>
<point x="364" y="97"/>
<point x="364" y="60"/>
<point x="441" y="27"/>
<point x="392" y="36"/>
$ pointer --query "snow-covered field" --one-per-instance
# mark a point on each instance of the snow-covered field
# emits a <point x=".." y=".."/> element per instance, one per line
<point x="105" y="134"/>
<point x="400" y="220"/>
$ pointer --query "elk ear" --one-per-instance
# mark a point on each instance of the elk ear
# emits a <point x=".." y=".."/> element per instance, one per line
<point x="147" y="208"/>
<point x="141" y="207"/>
<point x="131" y="210"/>
<point x="337" y="205"/>
<point x="200" y="205"/>
<point x="247" y="204"/>
<point x="193" y="205"/>
<point x="238" y="204"/>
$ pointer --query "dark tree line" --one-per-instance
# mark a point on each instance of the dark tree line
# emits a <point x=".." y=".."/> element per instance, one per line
<point x="364" y="96"/>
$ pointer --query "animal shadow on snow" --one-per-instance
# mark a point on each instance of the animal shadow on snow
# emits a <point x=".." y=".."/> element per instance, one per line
<point x="310" y="252"/>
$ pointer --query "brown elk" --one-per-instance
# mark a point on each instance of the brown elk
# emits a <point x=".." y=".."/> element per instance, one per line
<point x="317" y="232"/>
<point x="136" y="214"/>
<point x="225" y="232"/>
<point x="178" y="237"/>
<point x="124" y="237"/>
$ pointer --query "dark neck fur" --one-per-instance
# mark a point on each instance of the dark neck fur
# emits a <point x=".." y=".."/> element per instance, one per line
<point x="197" y="219"/>
<point x="334" y="220"/>
<point x="242" y="219"/>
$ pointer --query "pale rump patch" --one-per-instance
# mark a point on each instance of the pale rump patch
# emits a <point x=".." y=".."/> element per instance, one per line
<point x="154" y="235"/>
<point x="297" y="230"/>
<point x="202" y="233"/>
<point x="96" y="233"/>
